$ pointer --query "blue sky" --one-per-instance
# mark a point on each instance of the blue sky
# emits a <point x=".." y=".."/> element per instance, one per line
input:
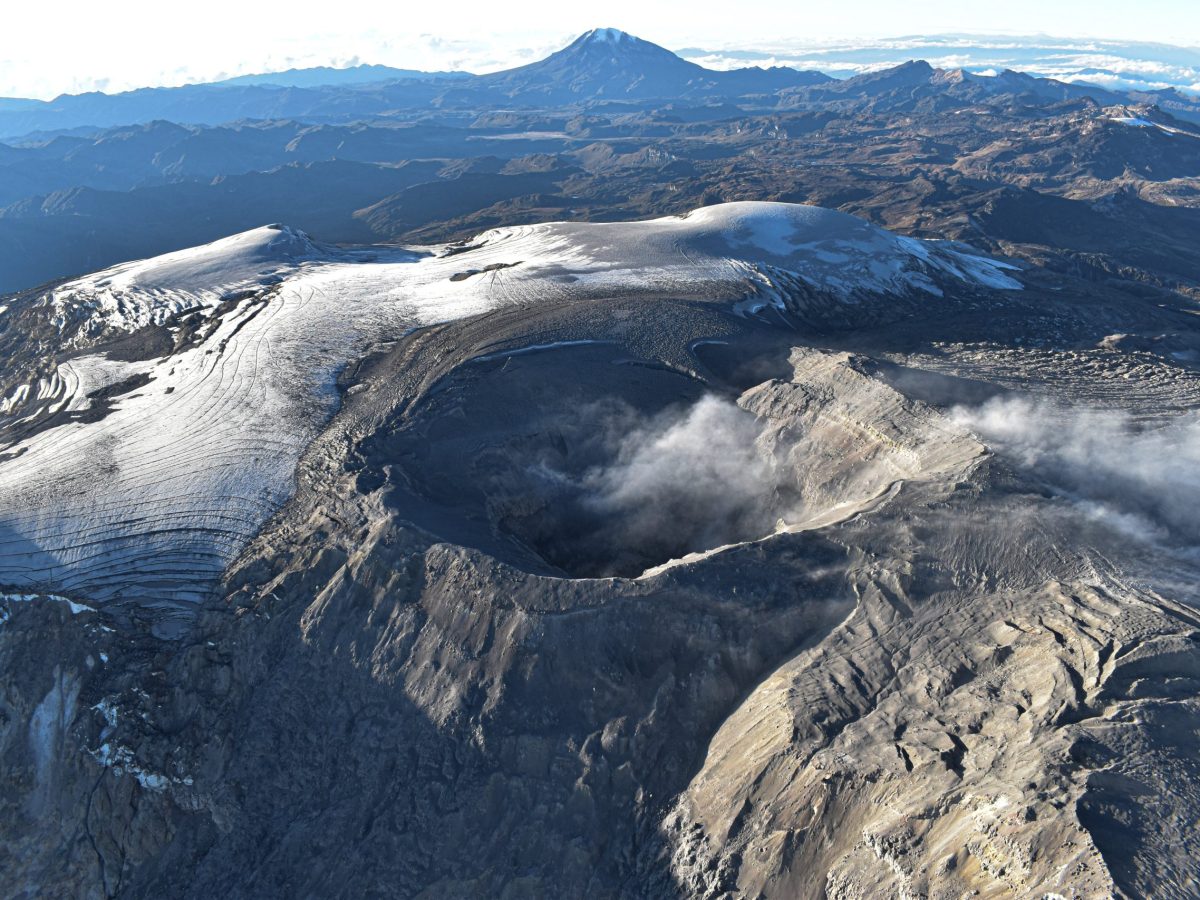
<point x="49" y="48"/>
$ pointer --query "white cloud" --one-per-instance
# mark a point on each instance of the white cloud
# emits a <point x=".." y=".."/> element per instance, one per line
<point x="1142" y="480"/>
<point x="130" y="43"/>
<point x="1109" y="64"/>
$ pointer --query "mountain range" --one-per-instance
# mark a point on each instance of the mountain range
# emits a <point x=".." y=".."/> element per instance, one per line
<point x="609" y="126"/>
<point x="608" y="478"/>
<point x="604" y="64"/>
<point x="1114" y="63"/>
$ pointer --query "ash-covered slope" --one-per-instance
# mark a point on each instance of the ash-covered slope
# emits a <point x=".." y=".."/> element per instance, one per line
<point x="709" y="556"/>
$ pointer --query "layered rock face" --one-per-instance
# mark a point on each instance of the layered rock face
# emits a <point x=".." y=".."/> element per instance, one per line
<point x="597" y="578"/>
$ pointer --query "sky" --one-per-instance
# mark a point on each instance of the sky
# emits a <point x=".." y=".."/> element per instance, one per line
<point x="71" y="46"/>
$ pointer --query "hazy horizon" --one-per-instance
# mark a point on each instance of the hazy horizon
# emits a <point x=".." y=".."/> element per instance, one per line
<point x="131" y="45"/>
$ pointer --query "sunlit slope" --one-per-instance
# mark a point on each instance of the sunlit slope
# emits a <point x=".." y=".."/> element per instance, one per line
<point x="139" y="476"/>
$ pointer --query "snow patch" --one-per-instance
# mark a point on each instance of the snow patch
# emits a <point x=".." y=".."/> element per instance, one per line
<point x="14" y="400"/>
<point x="122" y="761"/>
<point x="1136" y="122"/>
<point x="109" y="712"/>
<point x="76" y="608"/>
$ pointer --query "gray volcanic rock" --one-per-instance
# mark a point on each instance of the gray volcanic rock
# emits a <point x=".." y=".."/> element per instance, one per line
<point x="693" y="557"/>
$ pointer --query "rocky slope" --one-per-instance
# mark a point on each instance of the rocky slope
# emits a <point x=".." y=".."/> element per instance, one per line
<point x="757" y="552"/>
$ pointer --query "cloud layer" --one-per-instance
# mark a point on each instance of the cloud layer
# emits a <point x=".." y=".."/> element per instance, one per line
<point x="1142" y="480"/>
<point x="1112" y="64"/>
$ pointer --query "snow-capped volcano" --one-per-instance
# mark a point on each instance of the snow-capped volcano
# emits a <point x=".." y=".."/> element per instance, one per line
<point x="140" y="479"/>
<point x="614" y="46"/>
<point x="608" y="63"/>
